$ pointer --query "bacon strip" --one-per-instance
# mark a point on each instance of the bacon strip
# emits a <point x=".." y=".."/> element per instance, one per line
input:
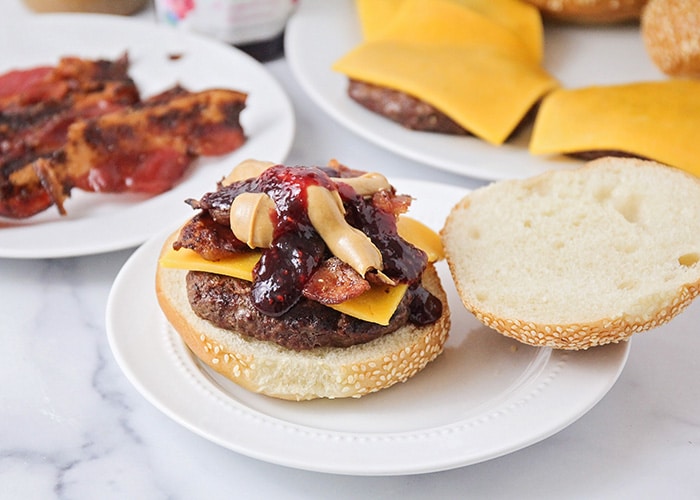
<point x="37" y="106"/>
<point x="148" y="148"/>
<point x="83" y="125"/>
<point x="70" y="77"/>
<point x="334" y="282"/>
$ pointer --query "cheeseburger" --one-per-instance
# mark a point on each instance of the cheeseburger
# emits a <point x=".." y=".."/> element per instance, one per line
<point x="305" y="282"/>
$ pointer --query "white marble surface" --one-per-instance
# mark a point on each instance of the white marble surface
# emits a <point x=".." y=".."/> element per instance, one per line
<point x="73" y="427"/>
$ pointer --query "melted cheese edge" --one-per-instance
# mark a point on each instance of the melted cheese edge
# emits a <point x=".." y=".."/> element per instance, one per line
<point x="376" y="305"/>
<point x="656" y="120"/>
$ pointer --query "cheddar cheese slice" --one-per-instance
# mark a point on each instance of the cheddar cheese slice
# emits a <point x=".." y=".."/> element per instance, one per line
<point x="239" y="266"/>
<point x="485" y="89"/>
<point x="504" y="20"/>
<point x="376" y="305"/>
<point x="420" y="235"/>
<point x="521" y="18"/>
<point x="448" y="22"/>
<point x="376" y="15"/>
<point x="655" y="120"/>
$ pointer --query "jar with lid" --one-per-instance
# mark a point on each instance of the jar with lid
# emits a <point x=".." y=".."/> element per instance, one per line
<point x="254" y="26"/>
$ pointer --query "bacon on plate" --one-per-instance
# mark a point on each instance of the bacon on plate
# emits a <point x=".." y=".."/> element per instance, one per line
<point x="83" y="125"/>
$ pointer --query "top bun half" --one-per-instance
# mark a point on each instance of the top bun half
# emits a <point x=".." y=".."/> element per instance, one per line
<point x="578" y="258"/>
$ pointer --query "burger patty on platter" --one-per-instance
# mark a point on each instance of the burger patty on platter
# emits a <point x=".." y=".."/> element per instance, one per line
<point x="226" y="302"/>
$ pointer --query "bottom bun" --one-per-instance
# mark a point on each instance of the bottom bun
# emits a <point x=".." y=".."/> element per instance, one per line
<point x="327" y="372"/>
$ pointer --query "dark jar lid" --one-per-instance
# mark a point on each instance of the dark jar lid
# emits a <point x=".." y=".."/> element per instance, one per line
<point x="265" y="50"/>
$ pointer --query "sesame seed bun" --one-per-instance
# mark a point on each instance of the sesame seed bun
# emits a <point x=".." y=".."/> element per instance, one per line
<point x="671" y="34"/>
<point x="578" y="258"/>
<point x="329" y="372"/>
<point x="590" y="11"/>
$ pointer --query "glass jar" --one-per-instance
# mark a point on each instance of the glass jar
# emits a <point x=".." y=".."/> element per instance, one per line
<point x="254" y="26"/>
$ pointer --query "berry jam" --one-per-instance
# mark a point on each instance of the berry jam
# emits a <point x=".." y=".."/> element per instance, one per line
<point x="425" y="308"/>
<point x="297" y="249"/>
<point x="403" y="262"/>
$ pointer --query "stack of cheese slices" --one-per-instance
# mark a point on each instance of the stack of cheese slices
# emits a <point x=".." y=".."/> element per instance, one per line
<point x="479" y="62"/>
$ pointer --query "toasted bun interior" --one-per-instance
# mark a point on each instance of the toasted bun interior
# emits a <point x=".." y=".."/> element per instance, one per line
<point x="578" y="258"/>
<point x="270" y="369"/>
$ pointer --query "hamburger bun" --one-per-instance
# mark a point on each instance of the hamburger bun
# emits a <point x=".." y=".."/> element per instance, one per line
<point x="578" y="258"/>
<point x="328" y="372"/>
<point x="590" y="11"/>
<point x="671" y="34"/>
<point x="121" y="7"/>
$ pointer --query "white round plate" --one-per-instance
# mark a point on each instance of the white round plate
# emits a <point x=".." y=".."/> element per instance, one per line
<point x="485" y="396"/>
<point x="321" y="32"/>
<point x="97" y="222"/>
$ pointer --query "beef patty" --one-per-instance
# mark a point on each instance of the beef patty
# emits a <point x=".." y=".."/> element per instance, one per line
<point x="402" y="108"/>
<point x="226" y="302"/>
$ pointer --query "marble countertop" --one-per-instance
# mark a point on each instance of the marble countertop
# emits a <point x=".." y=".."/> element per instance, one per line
<point x="73" y="427"/>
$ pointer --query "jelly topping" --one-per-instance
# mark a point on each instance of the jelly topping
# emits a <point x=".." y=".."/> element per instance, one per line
<point x="296" y="247"/>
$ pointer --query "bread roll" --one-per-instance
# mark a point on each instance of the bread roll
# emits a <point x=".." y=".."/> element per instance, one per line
<point x="270" y="369"/>
<point x="122" y="7"/>
<point x="671" y="34"/>
<point x="578" y="258"/>
<point x="590" y="11"/>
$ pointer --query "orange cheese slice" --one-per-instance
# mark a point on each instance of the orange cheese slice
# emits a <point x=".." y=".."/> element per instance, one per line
<point x="485" y="89"/>
<point x="449" y="21"/>
<point x="420" y="235"/>
<point x="239" y="266"/>
<point x="656" y="120"/>
<point x="376" y="305"/>
<point x="376" y="15"/>
<point x="521" y="18"/>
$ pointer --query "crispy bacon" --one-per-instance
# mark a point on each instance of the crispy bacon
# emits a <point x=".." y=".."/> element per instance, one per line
<point x="37" y="106"/>
<point x="209" y="239"/>
<point x="40" y="129"/>
<point x="82" y="124"/>
<point x="391" y="203"/>
<point x="71" y="76"/>
<point x="31" y="190"/>
<point x="334" y="282"/>
<point x="148" y="148"/>
<point x="17" y="83"/>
